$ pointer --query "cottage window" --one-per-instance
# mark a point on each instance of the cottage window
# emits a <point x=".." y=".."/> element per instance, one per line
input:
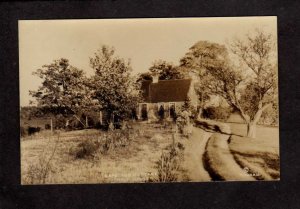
<point x="159" y="105"/>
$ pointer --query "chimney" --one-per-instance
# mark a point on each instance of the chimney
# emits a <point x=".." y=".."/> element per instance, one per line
<point x="155" y="77"/>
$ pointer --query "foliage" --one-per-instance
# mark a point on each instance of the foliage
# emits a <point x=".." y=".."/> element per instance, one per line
<point x="249" y="91"/>
<point x="169" y="164"/>
<point x="91" y="147"/>
<point x="166" y="70"/>
<point x="217" y="113"/>
<point x="29" y="112"/>
<point x="85" y="149"/>
<point x="144" y="77"/>
<point x="187" y="106"/>
<point x="270" y="116"/>
<point x="193" y="62"/>
<point x="64" y="89"/>
<point x="23" y="131"/>
<point x="113" y="86"/>
<point x="32" y="130"/>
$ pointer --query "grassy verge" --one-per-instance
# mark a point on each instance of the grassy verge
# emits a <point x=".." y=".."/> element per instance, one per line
<point x="259" y="156"/>
<point x="220" y="163"/>
<point x="263" y="164"/>
<point x="115" y="160"/>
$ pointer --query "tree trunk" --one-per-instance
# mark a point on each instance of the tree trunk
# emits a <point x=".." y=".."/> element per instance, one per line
<point x="251" y="125"/>
<point x="251" y="130"/>
<point x="200" y="112"/>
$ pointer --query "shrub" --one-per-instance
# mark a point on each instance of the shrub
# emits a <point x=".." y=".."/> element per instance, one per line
<point x="85" y="149"/>
<point x="106" y="143"/>
<point x="47" y="126"/>
<point x="23" y="131"/>
<point x="217" y="113"/>
<point x="183" y="122"/>
<point x="169" y="164"/>
<point x="31" y="130"/>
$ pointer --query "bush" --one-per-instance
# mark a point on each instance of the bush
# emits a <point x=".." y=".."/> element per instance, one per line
<point x="106" y="143"/>
<point x="213" y="125"/>
<point x="47" y="126"/>
<point x="217" y="113"/>
<point x="85" y="149"/>
<point x="31" y="130"/>
<point x="23" y="131"/>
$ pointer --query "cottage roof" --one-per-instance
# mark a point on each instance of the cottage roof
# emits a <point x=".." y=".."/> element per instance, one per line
<point x="166" y="90"/>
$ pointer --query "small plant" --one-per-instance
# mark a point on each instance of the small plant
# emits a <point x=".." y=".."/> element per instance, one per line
<point x="39" y="172"/>
<point x="180" y="146"/>
<point x="169" y="164"/>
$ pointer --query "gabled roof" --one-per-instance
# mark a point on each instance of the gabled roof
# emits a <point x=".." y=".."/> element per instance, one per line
<point x="166" y="90"/>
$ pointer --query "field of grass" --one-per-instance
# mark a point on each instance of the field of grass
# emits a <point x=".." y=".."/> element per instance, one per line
<point x="62" y="157"/>
<point x="134" y="162"/>
<point x="260" y="156"/>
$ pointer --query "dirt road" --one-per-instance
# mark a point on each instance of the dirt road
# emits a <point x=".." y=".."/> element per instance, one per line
<point x="194" y="150"/>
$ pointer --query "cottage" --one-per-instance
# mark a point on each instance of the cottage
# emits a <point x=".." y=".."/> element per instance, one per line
<point x="165" y="97"/>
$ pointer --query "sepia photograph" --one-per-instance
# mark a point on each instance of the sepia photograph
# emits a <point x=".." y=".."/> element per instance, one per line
<point x="149" y="100"/>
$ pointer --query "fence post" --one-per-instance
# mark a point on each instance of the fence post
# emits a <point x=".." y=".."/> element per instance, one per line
<point x="174" y="132"/>
<point x="51" y="125"/>
<point x="86" y="122"/>
<point x="100" y="117"/>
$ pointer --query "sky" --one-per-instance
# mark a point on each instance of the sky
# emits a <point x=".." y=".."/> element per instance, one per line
<point x="141" y="40"/>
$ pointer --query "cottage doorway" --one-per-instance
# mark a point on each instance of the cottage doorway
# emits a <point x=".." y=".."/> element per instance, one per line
<point x="144" y="112"/>
<point x="161" y="112"/>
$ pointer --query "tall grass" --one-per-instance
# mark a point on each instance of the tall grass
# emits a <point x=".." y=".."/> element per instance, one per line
<point x="39" y="172"/>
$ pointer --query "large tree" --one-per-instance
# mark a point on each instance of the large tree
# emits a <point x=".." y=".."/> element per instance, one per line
<point x="63" y="90"/>
<point x="258" y="54"/>
<point x="250" y="87"/>
<point x="114" y="87"/>
<point x="166" y="70"/>
<point x="197" y="60"/>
